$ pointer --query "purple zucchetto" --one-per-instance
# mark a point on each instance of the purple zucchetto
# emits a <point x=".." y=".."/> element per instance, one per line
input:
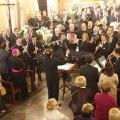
<point x="14" y="51"/>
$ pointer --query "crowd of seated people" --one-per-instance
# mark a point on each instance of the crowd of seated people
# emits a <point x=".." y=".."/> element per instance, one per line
<point x="102" y="107"/>
<point x="93" y="33"/>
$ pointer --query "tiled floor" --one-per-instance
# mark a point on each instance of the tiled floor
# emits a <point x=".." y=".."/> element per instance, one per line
<point x="33" y="108"/>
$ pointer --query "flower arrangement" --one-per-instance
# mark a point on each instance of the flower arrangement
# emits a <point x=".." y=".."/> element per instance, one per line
<point x="40" y="36"/>
<point x="44" y="30"/>
<point x="44" y="34"/>
<point x="23" y="31"/>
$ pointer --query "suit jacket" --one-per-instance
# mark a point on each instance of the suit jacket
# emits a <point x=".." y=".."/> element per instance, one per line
<point x="31" y="48"/>
<point x="13" y="39"/>
<point x="24" y="42"/>
<point x="92" y="76"/>
<point x="63" y="46"/>
<point x="33" y="33"/>
<point x="112" y="42"/>
<point x="4" y="57"/>
<point x="3" y="40"/>
<point x="117" y="69"/>
<point x="51" y="69"/>
<point x="103" y="51"/>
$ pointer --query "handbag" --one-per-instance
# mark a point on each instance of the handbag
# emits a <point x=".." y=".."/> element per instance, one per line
<point x="3" y="91"/>
<point x="73" y="107"/>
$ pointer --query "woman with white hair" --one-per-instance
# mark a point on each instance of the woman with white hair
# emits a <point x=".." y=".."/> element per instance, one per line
<point x="52" y="111"/>
<point x="80" y="95"/>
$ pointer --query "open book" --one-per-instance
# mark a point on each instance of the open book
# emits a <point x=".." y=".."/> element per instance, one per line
<point x="66" y="66"/>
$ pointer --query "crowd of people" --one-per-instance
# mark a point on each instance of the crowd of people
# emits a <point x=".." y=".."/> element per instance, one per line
<point x="91" y="31"/>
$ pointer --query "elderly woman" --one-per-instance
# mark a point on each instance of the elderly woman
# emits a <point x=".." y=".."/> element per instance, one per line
<point x="109" y="74"/>
<point x="17" y="76"/>
<point x="104" y="102"/>
<point x="80" y="95"/>
<point x="114" y="114"/>
<point x="52" y="111"/>
<point x="86" y="112"/>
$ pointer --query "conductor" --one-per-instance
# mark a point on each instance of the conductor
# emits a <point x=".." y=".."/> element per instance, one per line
<point x="52" y="75"/>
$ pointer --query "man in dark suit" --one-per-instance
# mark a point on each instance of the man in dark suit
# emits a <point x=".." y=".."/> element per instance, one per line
<point x="4" y="38"/>
<point x="31" y="32"/>
<point x="9" y="33"/>
<point x="52" y="75"/>
<point x="90" y="73"/>
<point x="112" y="39"/>
<point x="103" y="47"/>
<point x="4" y="56"/>
<point x="34" y="47"/>
<point x="63" y="43"/>
<point x="117" y="63"/>
<point x="26" y="40"/>
<point x="14" y="36"/>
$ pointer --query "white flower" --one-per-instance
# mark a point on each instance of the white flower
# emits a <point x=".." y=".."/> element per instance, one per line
<point x="25" y="29"/>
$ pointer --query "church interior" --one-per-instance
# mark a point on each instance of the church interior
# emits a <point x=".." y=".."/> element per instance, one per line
<point x="60" y="60"/>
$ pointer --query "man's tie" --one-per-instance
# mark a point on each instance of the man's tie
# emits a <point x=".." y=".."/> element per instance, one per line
<point x="34" y="44"/>
<point x="110" y="39"/>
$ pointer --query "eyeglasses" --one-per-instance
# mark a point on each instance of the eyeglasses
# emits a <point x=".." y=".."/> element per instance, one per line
<point x="58" y="104"/>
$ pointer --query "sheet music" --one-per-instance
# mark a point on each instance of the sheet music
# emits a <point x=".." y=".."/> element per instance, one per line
<point x="67" y="66"/>
<point x="102" y="61"/>
<point x="96" y="65"/>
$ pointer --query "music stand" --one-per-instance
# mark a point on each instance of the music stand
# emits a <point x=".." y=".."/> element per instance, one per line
<point x="102" y="60"/>
<point x="95" y="64"/>
<point x="67" y="68"/>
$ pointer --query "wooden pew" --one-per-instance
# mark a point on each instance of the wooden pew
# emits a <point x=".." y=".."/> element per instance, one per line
<point x="33" y="86"/>
<point x="13" y="91"/>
